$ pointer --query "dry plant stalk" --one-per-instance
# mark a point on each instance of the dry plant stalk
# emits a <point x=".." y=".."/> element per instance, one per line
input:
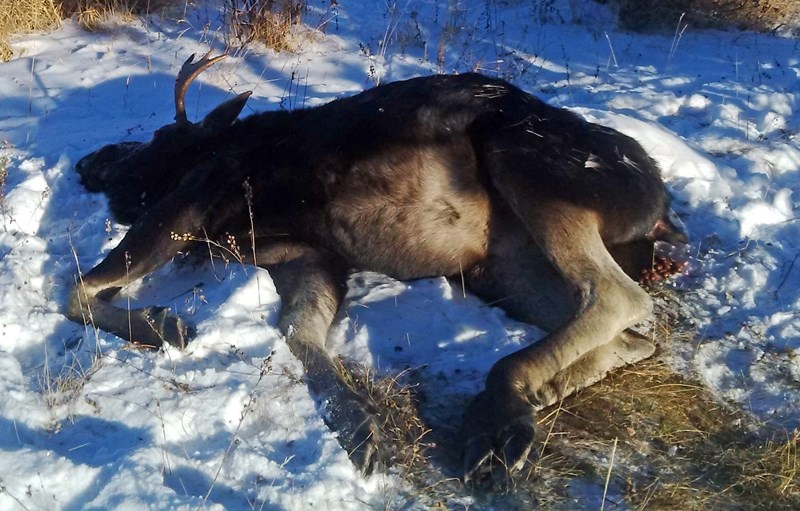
<point x="4" y="162"/>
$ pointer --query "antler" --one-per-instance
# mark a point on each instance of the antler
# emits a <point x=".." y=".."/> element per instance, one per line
<point x="186" y="75"/>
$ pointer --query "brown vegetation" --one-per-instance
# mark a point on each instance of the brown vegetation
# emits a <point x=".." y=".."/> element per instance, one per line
<point x="762" y="15"/>
<point x="677" y="446"/>
<point x="71" y="7"/>
<point x="19" y="16"/>
<point x="270" y="22"/>
<point x="93" y="15"/>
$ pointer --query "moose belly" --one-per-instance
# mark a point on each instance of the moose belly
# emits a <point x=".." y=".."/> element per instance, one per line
<point x="429" y="217"/>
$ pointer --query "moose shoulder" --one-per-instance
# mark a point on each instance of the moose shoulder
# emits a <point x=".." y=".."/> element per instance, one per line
<point x="543" y="213"/>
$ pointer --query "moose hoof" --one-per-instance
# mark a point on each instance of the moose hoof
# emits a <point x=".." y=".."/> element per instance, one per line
<point x="358" y="431"/>
<point x="363" y="446"/>
<point x="497" y="436"/>
<point x="161" y="326"/>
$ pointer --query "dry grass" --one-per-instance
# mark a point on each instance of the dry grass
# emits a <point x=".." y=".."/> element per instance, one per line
<point x="5" y="160"/>
<point x="679" y="448"/>
<point x="407" y="441"/>
<point x="71" y="7"/>
<point x="271" y="22"/>
<point x="99" y="15"/>
<point x="21" y="16"/>
<point x="762" y="15"/>
<point x="402" y="430"/>
<point x="94" y="15"/>
<point x="61" y="389"/>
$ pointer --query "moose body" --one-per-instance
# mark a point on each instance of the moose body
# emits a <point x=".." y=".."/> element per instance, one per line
<point x="539" y="211"/>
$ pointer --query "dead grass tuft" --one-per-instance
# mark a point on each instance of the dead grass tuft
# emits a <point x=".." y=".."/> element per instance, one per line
<point x="406" y="438"/>
<point x="99" y="15"/>
<point x="677" y="447"/>
<point x="681" y="449"/>
<point x="72" y="7"/>
<point x="272" y="22"/>
<point x="761" y="15"/>
<point x="403" y="432"/>
<point x="21" y="16"/>
<point x="61" y="389"/>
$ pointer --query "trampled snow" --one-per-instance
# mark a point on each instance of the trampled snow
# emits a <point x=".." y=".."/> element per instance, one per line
<point x="86" y="422"/>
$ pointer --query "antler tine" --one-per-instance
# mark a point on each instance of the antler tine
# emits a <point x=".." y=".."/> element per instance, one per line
<point x="189" y="71"/>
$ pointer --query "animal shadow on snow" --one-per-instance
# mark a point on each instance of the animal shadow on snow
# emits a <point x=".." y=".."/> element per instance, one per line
<point x="96" y="442"/>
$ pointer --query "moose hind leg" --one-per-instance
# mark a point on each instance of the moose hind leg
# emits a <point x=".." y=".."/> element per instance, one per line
<point x="627" y="348"/>
<point x="607" y="300"/>
<point x="311" y="286"/>
<point x="605" y="303"/>
<point x="518" y="278"/>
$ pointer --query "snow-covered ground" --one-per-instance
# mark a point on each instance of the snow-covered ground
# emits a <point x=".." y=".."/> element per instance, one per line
<point x="86" y="422"/>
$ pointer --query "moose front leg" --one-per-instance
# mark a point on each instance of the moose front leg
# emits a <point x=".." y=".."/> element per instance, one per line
<point x="155" y="238"/>
<point x="146" y="246"/>
<point x="311" y="285"/>
<point x="148" y="327"/>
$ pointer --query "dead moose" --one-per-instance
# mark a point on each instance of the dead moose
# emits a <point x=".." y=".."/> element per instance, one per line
<point x="542" y="213"/>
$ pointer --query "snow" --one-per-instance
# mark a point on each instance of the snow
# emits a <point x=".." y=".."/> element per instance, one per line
<point x="88" y="423"/>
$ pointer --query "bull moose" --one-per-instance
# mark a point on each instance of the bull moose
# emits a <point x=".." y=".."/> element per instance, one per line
<point x="540" y="212"/>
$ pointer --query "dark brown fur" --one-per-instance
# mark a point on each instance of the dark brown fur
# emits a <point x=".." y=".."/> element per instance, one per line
<point x="441" y="175"/>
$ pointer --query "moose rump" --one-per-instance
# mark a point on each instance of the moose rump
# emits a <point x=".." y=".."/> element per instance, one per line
<point x="539" y="211"/>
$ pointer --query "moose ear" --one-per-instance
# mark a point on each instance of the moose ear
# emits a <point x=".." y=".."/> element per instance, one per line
<point x="224" y="115"/>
